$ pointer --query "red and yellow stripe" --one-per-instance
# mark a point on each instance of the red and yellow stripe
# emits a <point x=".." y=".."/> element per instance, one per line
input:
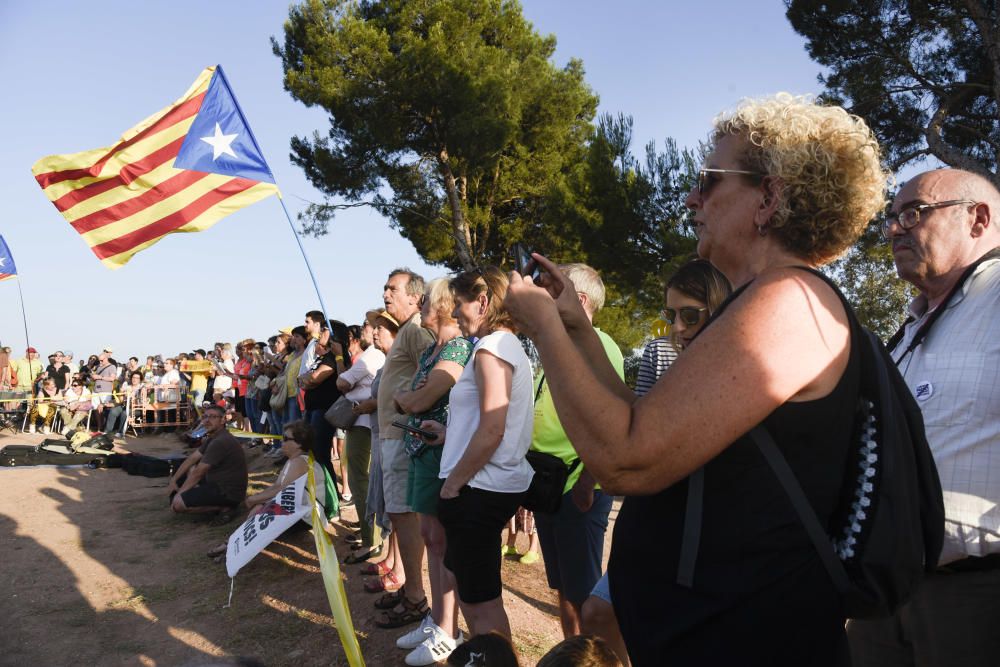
<point x="124" y="198"/>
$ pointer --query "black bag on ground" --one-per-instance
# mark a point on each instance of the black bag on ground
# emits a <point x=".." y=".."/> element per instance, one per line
<point x="150" y="466"/>
<point x="893" y="530"/>
<point x="546" y="490"/>
<point x="35" y="455"/>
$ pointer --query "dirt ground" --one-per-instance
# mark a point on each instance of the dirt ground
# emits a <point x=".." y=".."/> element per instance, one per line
<point x="97" y="571"/>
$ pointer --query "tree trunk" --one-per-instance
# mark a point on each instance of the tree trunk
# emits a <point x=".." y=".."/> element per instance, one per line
<point x="459" y="226"/>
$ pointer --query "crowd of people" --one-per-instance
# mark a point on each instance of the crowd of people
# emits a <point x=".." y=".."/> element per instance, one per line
<point x="433" y="406"/>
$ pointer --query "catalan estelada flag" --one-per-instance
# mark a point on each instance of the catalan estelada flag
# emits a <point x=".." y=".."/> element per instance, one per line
<point x="181" y="170"/>
<point x="7" y="268"/>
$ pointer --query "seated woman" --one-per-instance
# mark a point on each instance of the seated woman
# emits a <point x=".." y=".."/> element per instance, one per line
<point x="788" y="186"/>
<point x="77" y="407"/>
<point x="44" y="406"/>
<point x="296" y="445"/>
<point x="125" y="398"/>
<point x="692" y="295"/>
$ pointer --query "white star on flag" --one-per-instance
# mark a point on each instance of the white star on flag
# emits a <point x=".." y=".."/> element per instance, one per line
<point x="3" y="261"/>
<point x="220" y="143"/>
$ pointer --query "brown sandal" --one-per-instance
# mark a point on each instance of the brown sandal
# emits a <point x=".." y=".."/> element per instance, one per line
<point x="390" y="600"/>
<point x="412" y="612"/>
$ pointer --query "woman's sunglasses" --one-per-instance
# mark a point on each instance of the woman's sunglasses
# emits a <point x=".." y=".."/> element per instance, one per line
<point x="708" y="177"/>
<point x="689" y="315"/>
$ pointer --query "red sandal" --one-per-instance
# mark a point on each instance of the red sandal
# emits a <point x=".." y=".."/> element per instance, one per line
<point x="376" y="569"/>
<point x="387" y="582"/>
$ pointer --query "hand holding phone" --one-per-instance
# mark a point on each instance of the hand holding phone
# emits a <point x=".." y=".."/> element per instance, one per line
<point x="524" y="263"/>
<point x="429" y="435"/>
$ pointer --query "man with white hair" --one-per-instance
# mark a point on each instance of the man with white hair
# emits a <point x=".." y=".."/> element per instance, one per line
<point x="944" y="227"/>
<point x="572" y="539"/>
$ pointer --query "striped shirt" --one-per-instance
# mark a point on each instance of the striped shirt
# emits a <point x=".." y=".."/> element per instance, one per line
<point x="656" y="359"/>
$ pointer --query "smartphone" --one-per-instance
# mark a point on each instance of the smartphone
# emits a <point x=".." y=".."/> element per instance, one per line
<point x="416" y="431"/>
<point x="524" y="263"/>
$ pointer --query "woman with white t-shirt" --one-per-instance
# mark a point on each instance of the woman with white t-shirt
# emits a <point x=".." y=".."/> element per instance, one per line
<point x="483" y="464"/>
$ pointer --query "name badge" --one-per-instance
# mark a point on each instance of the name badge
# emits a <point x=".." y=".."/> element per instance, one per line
<point x="923" y="390"/>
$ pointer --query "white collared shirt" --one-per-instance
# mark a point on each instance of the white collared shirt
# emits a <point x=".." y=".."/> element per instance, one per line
<point x="955" y="376"/>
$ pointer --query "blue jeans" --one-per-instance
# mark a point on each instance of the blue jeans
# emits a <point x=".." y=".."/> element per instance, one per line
<point x="115" y="420"/>
<point x="253" y="414"/>
<point x="292" y="411"/>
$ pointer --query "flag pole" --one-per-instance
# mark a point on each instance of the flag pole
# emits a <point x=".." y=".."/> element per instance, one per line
<point x="24" y="316"/>
<point x="305" y="258"/>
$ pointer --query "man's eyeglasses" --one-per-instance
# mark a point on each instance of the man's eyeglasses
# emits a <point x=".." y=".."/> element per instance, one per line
<point x="285" y="438"/>
<point x="689" y="315"/>
<point x="707" y="177"/>
<point x="909" y="217"/>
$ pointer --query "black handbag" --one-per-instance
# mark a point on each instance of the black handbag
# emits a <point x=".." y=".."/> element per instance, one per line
<point x="546" y="490"/>
<point x="341" y="413"/>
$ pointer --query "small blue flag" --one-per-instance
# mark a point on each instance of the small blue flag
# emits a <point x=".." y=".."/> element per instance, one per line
<point x="7" y="268"/>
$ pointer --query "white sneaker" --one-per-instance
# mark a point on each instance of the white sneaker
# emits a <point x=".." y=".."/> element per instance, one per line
<point x="417" y="635"/>
<point x="31" y="428"/>
<point x="436" y="648"/>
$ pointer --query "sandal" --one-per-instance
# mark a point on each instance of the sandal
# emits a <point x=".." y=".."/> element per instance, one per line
<point x="355" y="558"/>
<point x="218" y="551"/>
<point x="412" y="612"/>
<point x="224" y="517"/>
<point x="387" y="582"/>
<point x="389" y="600"/>
<point x="376" y="569"/>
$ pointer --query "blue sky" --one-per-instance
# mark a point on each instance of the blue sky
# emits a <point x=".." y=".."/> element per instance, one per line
<point x="77" y="75"/>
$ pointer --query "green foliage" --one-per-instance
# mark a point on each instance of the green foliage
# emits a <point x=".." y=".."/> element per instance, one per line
<point x="867" y="276"/>
<point x="447" y="116"/>
<point x="925" y="74"/>
<point x="631" y="220"/>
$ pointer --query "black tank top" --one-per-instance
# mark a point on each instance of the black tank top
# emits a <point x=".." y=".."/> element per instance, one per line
<point x="751" y="538"/>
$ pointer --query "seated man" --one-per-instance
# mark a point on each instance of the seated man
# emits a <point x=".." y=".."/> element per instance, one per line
<point x="213" y="478"/>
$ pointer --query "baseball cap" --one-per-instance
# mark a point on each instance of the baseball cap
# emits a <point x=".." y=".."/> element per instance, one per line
<point x="31" y="349"/>
<point x="108" y="349"/>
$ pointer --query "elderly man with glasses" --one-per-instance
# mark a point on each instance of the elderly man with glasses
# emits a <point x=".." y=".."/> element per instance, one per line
<point x="943" y="227"/>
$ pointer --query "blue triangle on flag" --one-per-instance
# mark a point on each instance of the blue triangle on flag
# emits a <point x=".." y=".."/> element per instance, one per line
<point x="7" y="268"/>
<point x="219" y="140"/>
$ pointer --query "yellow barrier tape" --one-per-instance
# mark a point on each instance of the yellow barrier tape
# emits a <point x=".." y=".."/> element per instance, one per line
<point x="330" y="569"/>
<point x="250" y="434"/>
<point x="60" y="399"/>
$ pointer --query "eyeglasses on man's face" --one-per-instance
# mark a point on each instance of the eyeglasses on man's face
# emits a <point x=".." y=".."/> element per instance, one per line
<point x="689" y="315"/>
<point x="909" y="217"/>
<point x="707" y="178"/>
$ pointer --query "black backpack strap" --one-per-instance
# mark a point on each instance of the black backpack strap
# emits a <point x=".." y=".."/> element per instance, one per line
<point x="765" y="443"/>
<point x="692" y="528"/>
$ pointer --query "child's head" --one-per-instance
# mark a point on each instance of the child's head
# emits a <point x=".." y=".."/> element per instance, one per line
<point x="492" y="650"/>
<point x="580" y="651"/>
